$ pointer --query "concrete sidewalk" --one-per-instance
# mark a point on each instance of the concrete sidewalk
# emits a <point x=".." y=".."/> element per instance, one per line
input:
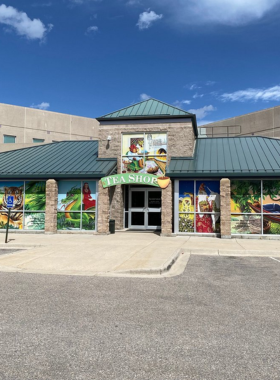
<point x="124" y="253"/>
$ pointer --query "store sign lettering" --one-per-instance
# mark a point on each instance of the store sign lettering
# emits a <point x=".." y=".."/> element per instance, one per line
<point x="137" y="179"/>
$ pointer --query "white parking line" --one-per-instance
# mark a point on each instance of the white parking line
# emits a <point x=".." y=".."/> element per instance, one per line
<point x="275" y="259"/>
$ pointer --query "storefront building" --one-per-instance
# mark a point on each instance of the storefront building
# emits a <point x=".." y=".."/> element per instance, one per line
<point x="148" y="170"/>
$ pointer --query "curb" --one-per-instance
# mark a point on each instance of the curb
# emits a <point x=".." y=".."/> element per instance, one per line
<point x="161" y="270"/>
<point x="225" y="252"/>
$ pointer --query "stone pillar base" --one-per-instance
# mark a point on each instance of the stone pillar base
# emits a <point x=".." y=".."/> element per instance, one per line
<point x="167" y="210"/>
<point x="51" y="206"/>
<point x="225" y="208"/>
<point x="103" y="210"/>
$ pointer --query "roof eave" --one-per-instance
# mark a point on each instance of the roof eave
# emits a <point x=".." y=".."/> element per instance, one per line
<point x="174" y="175"/>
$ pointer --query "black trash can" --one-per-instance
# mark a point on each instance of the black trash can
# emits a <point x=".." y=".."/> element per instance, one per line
<point x="112" y="226"/>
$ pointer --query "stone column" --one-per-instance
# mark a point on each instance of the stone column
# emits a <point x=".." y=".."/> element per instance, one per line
<point x="225" y="208"/>
<point x="117" y="205"/>
<point x="103" y="209"/>
<point x="51" y="206"/>
<point x="167" y="210"/>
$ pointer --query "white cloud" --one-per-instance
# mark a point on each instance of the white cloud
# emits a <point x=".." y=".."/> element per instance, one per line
<point x="144" y="97"/>
<point x="254" y="94"/>
<point x="92" y="28"/>
<point x="22" y="24"/>
<point x="204" y="122"/>
<point x="133" y="2"/>
<point x="47" y="4"/>
<point x="210" y="83"/>
<point x="193" y="86"/>
<point x="181" y="103"/>
<point x="41" y="106"/>
<point x="227" y="12"/>
<point x="147" y="18"/>
<point x="78" y="2"/>
<point x="196" y="95"/>
<point x="202" y="112"/>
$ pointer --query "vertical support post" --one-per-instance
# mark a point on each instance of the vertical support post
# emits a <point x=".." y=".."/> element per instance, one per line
<point x="225" y="208"/>
<point x="117" y="205"/>
<point x="51" y="206"/>
<point x="167" y="210"/>
<point x="103" y="209"/>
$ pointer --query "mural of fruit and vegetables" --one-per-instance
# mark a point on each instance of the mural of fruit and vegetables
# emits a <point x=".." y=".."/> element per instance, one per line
<point x="144" y="153"/>
<point x="199" y="211"/>
<point x="76" y="205"/>
<point x="29" y="204"/>
<point x="255" y="207"/>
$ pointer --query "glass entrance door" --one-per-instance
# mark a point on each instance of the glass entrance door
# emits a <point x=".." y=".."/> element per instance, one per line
<point x="144" y="209"/>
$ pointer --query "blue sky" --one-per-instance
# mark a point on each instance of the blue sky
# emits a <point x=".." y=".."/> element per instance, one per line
<point x="217" y="58"/>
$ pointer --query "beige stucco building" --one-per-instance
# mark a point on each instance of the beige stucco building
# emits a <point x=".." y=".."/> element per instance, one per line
<point x="22" y="127"/>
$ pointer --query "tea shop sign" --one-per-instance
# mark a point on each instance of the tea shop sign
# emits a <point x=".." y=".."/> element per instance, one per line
<point x="135" y="179"/>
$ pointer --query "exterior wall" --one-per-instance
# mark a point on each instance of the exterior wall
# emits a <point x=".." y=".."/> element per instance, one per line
<point x="51" y="206"/>
<point x="29" y="123"/>
<point x="103" y="209"/>
<point x="117" y="205"/>
<point x="167" y="210"/>
<point x="180" y="142"/>
<point x="225" y="208"/>
<point x="262" y="123"/>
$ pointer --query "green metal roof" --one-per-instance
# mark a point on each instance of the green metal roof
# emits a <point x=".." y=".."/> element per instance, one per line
<point x="147" y="108"/>
<point x="66" y="159"/>
<point x="250" y="156"/>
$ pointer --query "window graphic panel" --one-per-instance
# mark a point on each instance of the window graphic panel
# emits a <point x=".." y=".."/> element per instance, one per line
<point x="132" y="145"/>
<point x="246" y="197"/>
<point x="35" y="195"/>
<point x="69" y="196"/>
<point x="34" y="220"/>
<point x="89" y="195"/>
<point x="247" y="224"/>
<point x="271" y="207"/>
<point x="15" y="189"/>
<point x="186" y="222"/>
<point x="207" y="223"/>
<point x="207" y="196"/>
<point x="16" y="220"/>
<point x="186" y="196"/>
<point x="68" y="220"/>
<point x="88" y="221"/>
<point x="156" y="144"/>
<point x="144" y="153"/>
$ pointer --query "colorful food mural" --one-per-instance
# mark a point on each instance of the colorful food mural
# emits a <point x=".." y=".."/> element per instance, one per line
<point x="76" y="205"/>
<point x="199" y="206"/>
<point x="255" y="207"/>
<point x="29" y="204"/>
<point x="144" y="153"/>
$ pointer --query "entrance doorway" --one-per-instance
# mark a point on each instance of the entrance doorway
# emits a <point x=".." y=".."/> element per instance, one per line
<point x="144" y="209"/>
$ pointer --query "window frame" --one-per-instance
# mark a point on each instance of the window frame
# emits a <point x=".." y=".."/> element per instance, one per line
<point x="195" y="212"/>
<point x="15" y="137"/>
<point x="81" y="210"/>
<point x="144" y="134"/>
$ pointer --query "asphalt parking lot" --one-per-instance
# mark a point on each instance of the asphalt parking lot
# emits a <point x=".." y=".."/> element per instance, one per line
<point x="219" y="320"/>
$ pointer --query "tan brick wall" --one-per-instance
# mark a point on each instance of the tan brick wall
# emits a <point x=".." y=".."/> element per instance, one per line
<point x="51" y="206"/>
<point x="180" y="138"/>
<point x="103" y="209"/>
<point x="225" y="208"/>
<point x="180" y="142"/>
<point x="167" y="210"/>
